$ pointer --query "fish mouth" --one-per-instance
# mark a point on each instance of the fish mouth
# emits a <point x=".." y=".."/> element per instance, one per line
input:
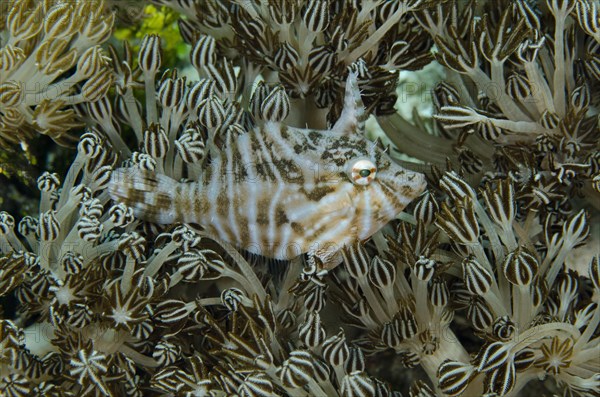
<point x="402" y="191"/>
<point x="421" y="185"/>
<point x="415" y="184"/>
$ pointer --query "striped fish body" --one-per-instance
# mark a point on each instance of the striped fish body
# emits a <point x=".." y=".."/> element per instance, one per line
<point x="280" y="191"/>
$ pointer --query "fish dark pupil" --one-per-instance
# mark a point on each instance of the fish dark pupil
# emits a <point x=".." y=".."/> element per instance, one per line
<point x="365" y="173"/>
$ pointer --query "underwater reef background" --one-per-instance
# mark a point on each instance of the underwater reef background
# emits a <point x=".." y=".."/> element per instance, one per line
<point x="488" y="284"/>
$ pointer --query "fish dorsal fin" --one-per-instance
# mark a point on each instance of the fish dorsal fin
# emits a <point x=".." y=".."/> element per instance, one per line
<point x="353" y="117"/>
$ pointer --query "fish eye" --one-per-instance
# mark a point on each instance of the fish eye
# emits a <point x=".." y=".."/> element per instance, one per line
<point x="363" y="172"/>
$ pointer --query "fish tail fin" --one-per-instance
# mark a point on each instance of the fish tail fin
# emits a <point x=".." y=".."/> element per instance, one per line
<point x="153" y="197"/>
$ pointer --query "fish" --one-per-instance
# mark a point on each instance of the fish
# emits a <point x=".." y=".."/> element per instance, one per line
<point x="281" y="191"/>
